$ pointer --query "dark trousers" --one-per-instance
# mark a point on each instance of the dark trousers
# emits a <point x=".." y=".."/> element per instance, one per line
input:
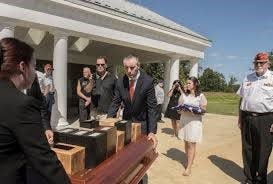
<point x="33" y="177"/>
<point x="158" y="111"/>
<point x="84" y="111"/>
<point x="256" y="145"/>
<point x="49" y="103"/>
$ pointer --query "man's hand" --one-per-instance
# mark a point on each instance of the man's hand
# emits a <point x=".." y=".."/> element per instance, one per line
<point x="271" y="128"/>
<point x="151" y="136"/>
<point x="49" y="135"/>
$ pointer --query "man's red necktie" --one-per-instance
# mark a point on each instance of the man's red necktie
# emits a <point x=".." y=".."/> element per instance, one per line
<point x="132" y="88"/>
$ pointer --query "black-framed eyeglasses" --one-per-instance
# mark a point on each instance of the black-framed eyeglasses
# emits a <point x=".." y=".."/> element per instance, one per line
<point x="259" y="63"/>
<point x="100" y="64"/>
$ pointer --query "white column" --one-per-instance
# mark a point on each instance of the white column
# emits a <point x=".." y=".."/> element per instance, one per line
<point x="174" y="70"/>
<point x="171" y="73"/>
<point x="60" y="79"/>
<point x="6" y="30"/>
<point x="194" y="68"/>
<point x="167" y="67"/>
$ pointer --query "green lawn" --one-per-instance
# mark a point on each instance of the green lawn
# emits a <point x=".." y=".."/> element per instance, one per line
<point x="222" y="103"/>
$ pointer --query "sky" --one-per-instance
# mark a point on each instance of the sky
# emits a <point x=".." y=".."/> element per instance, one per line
<point x="238" y="29"/>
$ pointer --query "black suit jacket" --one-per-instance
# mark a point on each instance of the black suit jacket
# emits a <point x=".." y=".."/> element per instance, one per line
<point x="143" y="105"/>
<point x="35" y="92"/>
<point x="22" y="139"/>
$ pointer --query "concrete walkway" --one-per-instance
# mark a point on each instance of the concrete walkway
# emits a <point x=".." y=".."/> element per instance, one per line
<point x="218" y="159"/>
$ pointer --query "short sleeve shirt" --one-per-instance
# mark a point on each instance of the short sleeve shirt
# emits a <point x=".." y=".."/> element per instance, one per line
<point x="193" y="100"/>
<point x="159" y="94"/>
<point x="41" y="80"/>
<point x="49" y="82"/>
<point x="257" y="93"/>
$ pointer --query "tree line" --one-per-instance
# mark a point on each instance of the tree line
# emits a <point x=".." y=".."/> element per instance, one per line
<point x="210" y="80"/>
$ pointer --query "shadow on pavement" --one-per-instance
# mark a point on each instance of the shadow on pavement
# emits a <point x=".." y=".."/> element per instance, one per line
<point x="167" y="131"/>
<point x="229" y="167"/>
<point x="232" y="169"/>
<point x="177" y="155"/>
<point x="144" y="179"/>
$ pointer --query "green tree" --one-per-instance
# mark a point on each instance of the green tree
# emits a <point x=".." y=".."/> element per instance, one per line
<point x="155" y="70"/>
<point x="232" y="80"/>
<point x="212" y="81"/>
<point x="184" y="71"/>
<point x="120" y="70"/>
<point x="232" y="86"/>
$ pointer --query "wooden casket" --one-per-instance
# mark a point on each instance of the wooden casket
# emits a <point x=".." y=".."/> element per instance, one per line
<point x="127" y="166"/>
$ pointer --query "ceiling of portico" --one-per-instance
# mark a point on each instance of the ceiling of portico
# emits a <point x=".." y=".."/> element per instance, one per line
<point x="114" y="53"/>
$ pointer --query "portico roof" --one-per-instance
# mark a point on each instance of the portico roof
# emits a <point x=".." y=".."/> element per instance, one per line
<point x="116" y="22"/>
<point x="135" y="12"/>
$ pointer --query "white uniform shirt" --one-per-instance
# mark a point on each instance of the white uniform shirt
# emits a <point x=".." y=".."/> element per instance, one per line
<point x="41" y="80"/>
<point x="257" y="93"/>
<point x="159" y="94"/>
<point x="49" y="82"/>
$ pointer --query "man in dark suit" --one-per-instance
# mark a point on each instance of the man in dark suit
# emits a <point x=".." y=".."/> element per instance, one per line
<point x="35" y="92"/>
<point x="136" y="90"/>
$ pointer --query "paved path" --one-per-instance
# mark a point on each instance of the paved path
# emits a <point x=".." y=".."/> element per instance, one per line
<point x="218" y="159"/>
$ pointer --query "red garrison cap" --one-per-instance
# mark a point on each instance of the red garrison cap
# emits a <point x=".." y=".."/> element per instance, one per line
<point x="262" y="56"/>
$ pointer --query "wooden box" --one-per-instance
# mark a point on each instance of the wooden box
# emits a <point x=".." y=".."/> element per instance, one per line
<point x="109" y="122"/>
<point x="89" y="124"/>
<point x="120" y="140"/>
<point x="96" y="148"/>
<point x="94" y="143"/>
<point x="61" y="135"/>
<point x="125" y="126"/>
<point x="71" y="156"/>
<point x="136" y="131"/>
<point x="122" y="125"/>
<point x="127" y="166"/>
<point x="111" y="135"/>
<point x="76" y="138"/>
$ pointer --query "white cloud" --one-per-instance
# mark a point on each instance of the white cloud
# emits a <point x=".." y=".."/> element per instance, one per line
<point x="219" y="65"/>
<point x="214" y="55"/>
<point x="231" y="57"/>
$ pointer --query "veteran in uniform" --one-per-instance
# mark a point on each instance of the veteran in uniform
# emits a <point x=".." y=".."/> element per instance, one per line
<point x="256" y="120"/>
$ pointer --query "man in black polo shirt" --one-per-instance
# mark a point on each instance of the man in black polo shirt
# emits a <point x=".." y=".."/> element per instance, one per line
<point x="103" y="90"/>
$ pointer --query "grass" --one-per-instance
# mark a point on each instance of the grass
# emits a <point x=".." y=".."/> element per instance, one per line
<point x="222" y="103"/>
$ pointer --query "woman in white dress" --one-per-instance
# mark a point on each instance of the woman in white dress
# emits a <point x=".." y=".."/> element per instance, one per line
<point x="190" y="129"/>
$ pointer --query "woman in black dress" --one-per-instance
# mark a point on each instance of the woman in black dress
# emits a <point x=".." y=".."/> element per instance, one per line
<point x="174" y="95"/>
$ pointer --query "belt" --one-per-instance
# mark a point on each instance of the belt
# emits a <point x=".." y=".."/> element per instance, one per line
<point x="256" y="113"/>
